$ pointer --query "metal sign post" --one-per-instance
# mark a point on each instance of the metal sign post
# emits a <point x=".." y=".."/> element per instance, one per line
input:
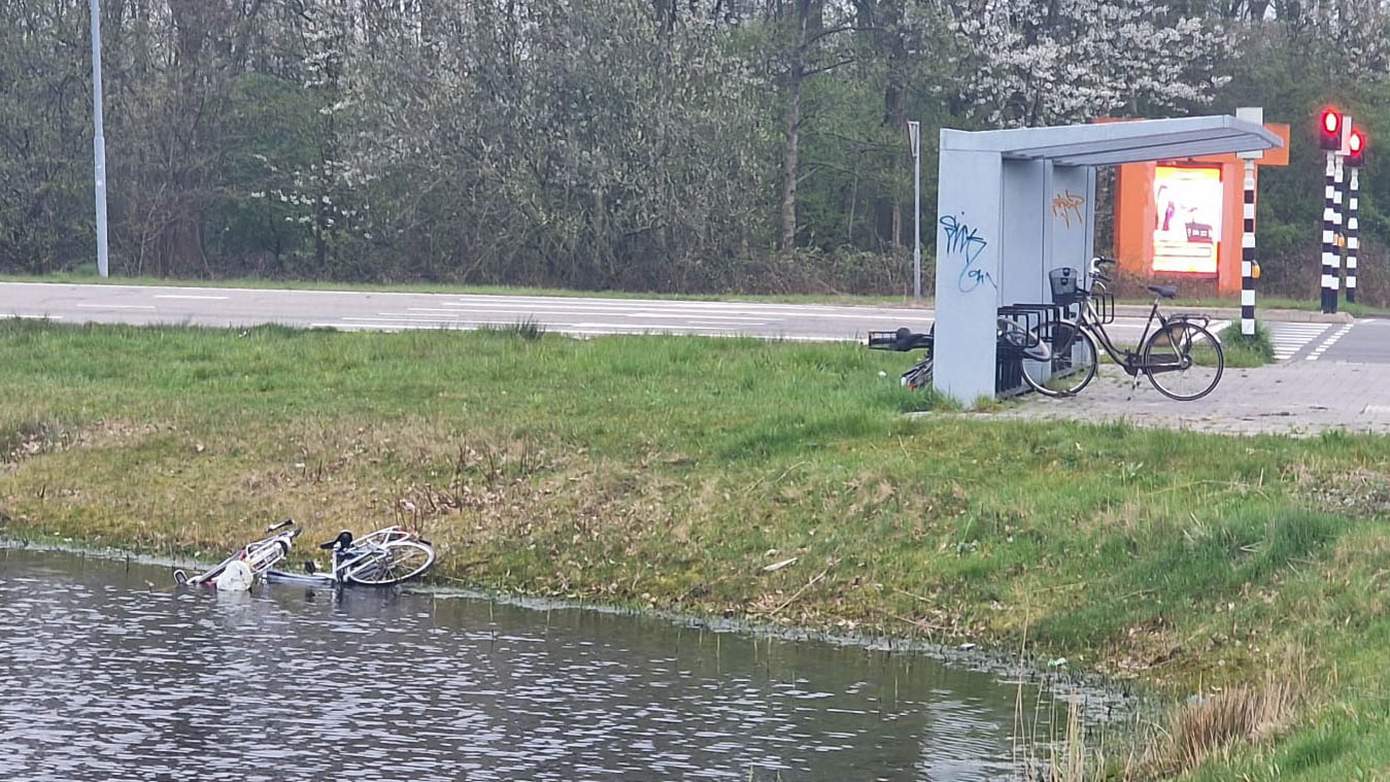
<point x="98" y="140"/>
<point x="914" y="134"/>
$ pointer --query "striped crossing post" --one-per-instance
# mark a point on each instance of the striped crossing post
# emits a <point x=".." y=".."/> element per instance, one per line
<point x="1353" y="230"/>
<point x="1329" y="270"/>
<point x="1339" y="238"/>
<point x="1247" y="254"/>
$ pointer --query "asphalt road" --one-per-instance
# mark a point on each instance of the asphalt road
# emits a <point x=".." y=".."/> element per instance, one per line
<point x="579" y="316"/>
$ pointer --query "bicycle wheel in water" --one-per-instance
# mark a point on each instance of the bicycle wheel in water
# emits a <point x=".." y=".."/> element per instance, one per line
<point x="1183" y="361"/>
<point x="398" y="561"/>
<point x="1073" y="364"/>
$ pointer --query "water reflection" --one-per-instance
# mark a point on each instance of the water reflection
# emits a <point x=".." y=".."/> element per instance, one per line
<point x="103" y="676"/>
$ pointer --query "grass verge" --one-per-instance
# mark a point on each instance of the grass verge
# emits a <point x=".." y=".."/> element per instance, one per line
<point x="1244" y="351"/>
<point x="670" y="472"/>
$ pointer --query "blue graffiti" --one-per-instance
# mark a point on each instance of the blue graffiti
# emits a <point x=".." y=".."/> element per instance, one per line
<point x="962" y="239"/>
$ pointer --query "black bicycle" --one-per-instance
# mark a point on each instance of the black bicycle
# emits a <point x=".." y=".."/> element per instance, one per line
<point x="1011" y="337"/>
<point x="1179" y="356"/>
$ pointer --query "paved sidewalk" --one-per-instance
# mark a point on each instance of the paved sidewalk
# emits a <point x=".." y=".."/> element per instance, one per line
<point x="1301" y="398"/>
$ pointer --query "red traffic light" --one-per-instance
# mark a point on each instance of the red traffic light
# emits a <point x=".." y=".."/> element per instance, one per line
<point x="1330" y="130"/>
<point x="1356" y="148"/>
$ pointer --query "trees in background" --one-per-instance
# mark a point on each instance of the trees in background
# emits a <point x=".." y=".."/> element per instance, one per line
<point x="646" y="144"/>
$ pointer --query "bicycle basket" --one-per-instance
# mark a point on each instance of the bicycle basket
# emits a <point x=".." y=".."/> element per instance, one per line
<point x="1063" y="282"/>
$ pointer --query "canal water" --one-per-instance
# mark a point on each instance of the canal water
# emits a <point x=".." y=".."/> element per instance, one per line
<point x="109" y="673"/>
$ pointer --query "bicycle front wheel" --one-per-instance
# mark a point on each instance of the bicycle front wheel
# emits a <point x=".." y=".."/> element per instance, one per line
<point x="398" y="561"/>
<point x="1072" y="366"/>
<point x="1183" y="361"/>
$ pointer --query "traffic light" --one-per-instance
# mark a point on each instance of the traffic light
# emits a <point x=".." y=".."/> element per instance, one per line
<point x="1330" y="130"/>
<point x="1356" y="148"/>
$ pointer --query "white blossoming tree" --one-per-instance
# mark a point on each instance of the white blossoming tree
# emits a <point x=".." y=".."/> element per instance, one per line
<point x="1042" y="62"/>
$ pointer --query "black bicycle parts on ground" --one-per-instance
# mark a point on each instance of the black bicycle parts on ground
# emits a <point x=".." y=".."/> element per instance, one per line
<point x="1011" y="337"/>
<point x="903" y="340"/>
<point x="1180" y="357"/>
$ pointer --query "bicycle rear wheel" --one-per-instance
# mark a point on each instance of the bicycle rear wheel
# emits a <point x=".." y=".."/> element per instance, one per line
<point x="1183" y="361"/>
<point x="1073" y="363"/>
<point x="398" y="561"/>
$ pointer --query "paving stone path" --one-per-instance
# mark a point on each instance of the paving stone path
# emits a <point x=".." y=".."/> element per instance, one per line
<point x="1300" y="398"/>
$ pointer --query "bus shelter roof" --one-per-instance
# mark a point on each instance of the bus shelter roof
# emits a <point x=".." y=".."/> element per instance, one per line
<point x="1112" y="143"/>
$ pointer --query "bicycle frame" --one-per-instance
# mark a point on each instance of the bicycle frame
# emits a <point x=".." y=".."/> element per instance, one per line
<point x="1131" y="361"/>
<point x="259" y="555"/>
<point x="346" y="563"/>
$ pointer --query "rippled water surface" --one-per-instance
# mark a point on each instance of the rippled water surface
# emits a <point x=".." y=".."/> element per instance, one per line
<point x="108" y="673"/>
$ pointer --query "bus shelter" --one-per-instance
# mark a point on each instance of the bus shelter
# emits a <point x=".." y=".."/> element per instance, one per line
<point x="1013" y="205"/>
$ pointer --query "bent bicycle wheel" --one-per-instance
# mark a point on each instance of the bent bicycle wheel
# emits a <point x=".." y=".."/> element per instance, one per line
<point x="1183" y="361"/>
<point x="919" y="376"/>
<point x="398" y="561"/>
<point x="1073" y="363"/>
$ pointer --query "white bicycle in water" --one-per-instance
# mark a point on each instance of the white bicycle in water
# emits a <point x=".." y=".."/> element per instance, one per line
<point x="387" y="556"/>
<point x="239" y="571"/>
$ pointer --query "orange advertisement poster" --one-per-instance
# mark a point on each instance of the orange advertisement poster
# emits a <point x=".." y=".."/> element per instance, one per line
<point x="1187" y="226"/>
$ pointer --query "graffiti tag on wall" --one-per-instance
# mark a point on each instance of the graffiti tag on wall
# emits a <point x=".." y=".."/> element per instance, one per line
<point x="966" y="243"/>
<point x="1067" y="206"/>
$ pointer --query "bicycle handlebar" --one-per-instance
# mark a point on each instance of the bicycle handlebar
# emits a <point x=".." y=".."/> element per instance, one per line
<point x="279" y="525"/>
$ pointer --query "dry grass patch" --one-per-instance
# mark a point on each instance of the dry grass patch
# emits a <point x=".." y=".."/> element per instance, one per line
<point x="1211" y="727"/>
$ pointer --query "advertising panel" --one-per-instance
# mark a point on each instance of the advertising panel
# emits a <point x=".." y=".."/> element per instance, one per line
<point x="1187" y="228"/>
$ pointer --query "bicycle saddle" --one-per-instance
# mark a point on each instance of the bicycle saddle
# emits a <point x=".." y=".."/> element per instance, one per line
<point x="343" y="541"/>
<point x="1164" y="291"/>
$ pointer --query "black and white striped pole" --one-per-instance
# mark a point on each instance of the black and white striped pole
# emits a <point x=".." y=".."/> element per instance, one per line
<point x="1329" y="247"/>
<point x="1330" y="140"/>
<point x="1356" y="158"/>
<point x="1249" y="266"/>
<point x="1247" y="255"/>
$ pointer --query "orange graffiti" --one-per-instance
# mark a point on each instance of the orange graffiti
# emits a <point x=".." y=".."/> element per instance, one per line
<point x="1067" y="205"/>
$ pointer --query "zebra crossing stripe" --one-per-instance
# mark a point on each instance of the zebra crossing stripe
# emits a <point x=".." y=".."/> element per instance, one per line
<point x="1329" y="342"/>
<point x="1290" y="338"/>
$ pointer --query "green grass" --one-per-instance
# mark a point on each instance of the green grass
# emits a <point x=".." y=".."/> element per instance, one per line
<point x="849" y="299"/>
<point x="1247" y="351"/>
<point x="667" y="472"/>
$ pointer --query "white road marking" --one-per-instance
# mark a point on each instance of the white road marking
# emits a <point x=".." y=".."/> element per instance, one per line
<point x="116" y="306"/>
<point x="1289" y="338"/>
<point x="565" y="330"/>
<point x="36" y="317"/>
<point x="190" y="297"/>
<point x="1329" y="342"/>
<point x="568" y="306"/>
<point x="633" y="314"/>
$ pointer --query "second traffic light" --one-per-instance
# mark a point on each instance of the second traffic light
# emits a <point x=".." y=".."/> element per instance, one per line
<point x="1356" y="148"/>
<point x="1330" y="130"/>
